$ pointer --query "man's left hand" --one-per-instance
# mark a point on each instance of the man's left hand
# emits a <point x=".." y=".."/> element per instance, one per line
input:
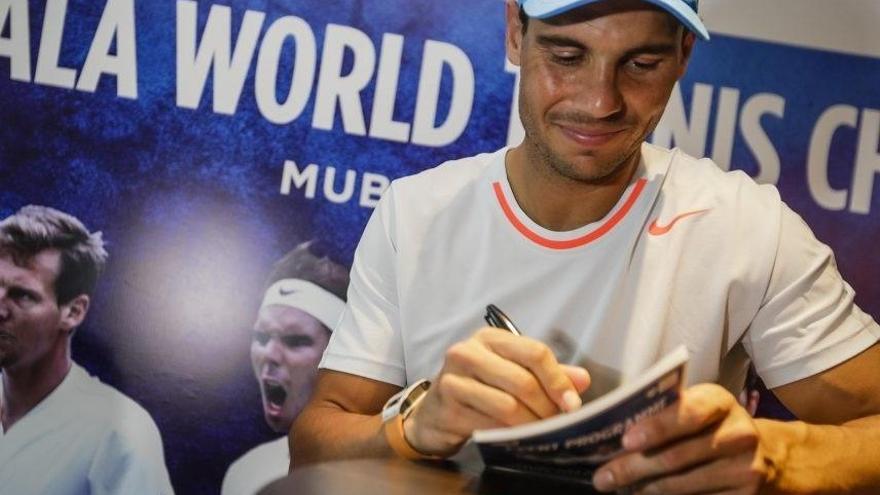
<point x="705" y="443"/>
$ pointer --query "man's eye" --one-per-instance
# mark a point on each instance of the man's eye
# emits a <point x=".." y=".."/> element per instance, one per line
<point x="22" y="296"/>
<point x="294" y="341"/>
<point x="261" y="338"/>
<point x="565" y="58"/>
<point x="643" y="65"/>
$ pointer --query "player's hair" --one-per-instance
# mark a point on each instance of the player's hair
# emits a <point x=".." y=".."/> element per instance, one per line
<point x="36" y="228"/>
<point x="305" y="262"/>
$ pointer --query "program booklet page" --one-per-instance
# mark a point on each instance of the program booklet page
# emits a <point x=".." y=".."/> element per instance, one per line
<point x="573" y="445"/>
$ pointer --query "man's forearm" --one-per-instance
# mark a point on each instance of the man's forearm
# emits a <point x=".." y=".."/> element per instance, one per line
<point x="806" y="458"/>
<point x="325" y="432"/>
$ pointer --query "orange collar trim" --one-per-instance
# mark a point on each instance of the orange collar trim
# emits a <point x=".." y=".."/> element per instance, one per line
<point x="570" y="243"/>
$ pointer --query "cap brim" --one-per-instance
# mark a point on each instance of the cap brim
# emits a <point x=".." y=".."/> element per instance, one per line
<point x="543" y="9"/>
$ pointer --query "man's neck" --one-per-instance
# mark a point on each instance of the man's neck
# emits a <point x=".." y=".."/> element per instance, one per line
<point x="559" y="203"/>
<point x="25" y="387"/>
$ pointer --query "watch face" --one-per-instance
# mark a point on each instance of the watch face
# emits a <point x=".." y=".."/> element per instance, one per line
<point x="416" y="393"/>
<point x="402" y="401"/>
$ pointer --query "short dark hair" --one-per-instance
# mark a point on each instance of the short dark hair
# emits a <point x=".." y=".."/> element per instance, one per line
<point x="305" y="262"/>
<point x="37" y="228"/>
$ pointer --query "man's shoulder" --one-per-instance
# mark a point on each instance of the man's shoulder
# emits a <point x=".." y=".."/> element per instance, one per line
<point x="274" y="452"/>
<point x="446" y="190"/>
<point x="448" y="177"/>
<point x="701" y="181"/>
<point x="256" y="467"/>
<point x="104" y="405"/>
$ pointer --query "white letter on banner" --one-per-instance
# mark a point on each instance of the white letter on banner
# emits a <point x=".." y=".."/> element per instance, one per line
<point x="116" y="21"/>
<point x="382" y="123"/>
<point x="820" y="148"/>
<point x="435" y="55"/>
<point x="515" y="131"/>
<point x="48" y="71"/>
<point x="229" y="74"/>
<point x="333" y="86"/>
<point x="372" y="187"/>
<point x="867" y="162"/>
<point x="756" y="139"/>
<point x="347" y="188"/>
<point x="674" y="126"/>
<point x="268" y="61"/>
<point x="725" y="127"/>
<point x="17" y="45"/>
<point x="292" y="174"/>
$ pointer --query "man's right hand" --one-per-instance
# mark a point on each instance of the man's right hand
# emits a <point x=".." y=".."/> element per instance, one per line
<point x="490" y="380"/>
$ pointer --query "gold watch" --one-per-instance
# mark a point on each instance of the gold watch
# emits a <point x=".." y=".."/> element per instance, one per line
<point x="398" y="408"/>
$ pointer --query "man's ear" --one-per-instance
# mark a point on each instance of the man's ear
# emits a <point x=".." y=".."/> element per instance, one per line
<point x="514" y="33"/>
<point x="74" y="312"/>
<point x="687" y="48"/>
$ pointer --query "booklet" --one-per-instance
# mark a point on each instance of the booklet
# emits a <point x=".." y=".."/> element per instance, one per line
<point x="574" y="444"/>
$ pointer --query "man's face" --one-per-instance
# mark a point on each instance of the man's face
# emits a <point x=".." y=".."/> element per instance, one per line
<point x="594" y="83"/>
<point x="287" y="345"/>
<point x="31" y="322"/>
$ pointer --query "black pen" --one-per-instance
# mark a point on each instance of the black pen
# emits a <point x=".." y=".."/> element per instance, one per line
<point x="496" y="318"/>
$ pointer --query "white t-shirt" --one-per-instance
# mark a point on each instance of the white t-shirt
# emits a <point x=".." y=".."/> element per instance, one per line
<point x="257" y="468"/>
<point x="84" y="438"/>
<point x="690" y="255"/>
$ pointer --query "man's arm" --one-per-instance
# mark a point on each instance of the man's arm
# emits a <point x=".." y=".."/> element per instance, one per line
<point x="709" y="443"/>
<point x="493" y="378"/>
<point x="341" y="420"/>
<point x="839" y="450"/>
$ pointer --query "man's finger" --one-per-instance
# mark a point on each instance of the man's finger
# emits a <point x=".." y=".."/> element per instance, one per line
<point x="579" y="377"/>
<point x="538" y="359"/>
<point x="496" y="404"/>
<point x="699" y="408"/>
<point x="506" y="375"/>
<point x="728" y="439"/>
<point x="437" y="429"/>
<point x="462" y="420"/>
<point x="732" y="474"/>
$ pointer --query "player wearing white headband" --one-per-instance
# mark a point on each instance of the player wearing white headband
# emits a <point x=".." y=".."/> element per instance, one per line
<point x="304" y="299"/>
<point x="607" y="252"/>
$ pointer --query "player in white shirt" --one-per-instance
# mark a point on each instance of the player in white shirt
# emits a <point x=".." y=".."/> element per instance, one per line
<point x="303" y="301"/>
<point x="85" y="437"/>
<point x="607" y="252"/>
<point x="688" y="248"/>
<point x="62" y="432"/>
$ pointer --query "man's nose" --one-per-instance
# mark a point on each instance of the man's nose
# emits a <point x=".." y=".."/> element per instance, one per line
<point x="599" y="94"/>
<point x="273" y="349"/>
<point x="4" y="305"/>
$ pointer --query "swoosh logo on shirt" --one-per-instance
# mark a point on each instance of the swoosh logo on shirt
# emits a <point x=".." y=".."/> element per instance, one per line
<point x="656" y="229"/>
<point x="285" y="292"/>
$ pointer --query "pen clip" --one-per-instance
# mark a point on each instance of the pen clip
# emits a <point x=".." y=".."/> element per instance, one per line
<point x="496" y="318"/>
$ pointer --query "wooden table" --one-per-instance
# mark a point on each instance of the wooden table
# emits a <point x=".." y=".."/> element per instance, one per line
<point x="464" y="473"/>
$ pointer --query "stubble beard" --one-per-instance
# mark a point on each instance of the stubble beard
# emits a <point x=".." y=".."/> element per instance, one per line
<point x="597" y="174"/>
<point x="8" y="356"/>
<point x="540" y="153"/>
